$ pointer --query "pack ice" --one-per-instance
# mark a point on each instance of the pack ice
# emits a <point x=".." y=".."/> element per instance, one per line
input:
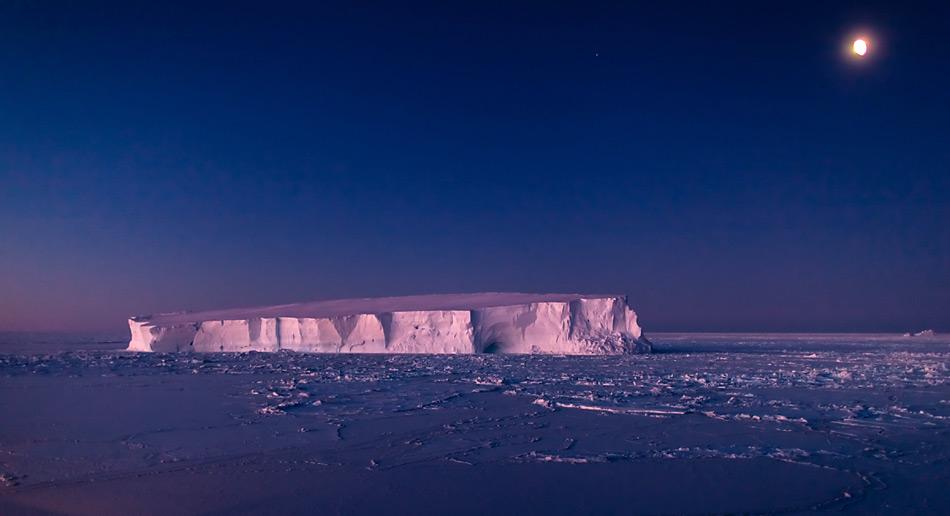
<point x="571" y="324"/>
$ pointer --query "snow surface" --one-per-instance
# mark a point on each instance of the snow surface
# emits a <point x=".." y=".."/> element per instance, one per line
<point x="707" y="423"/>
<point x="451" y="323"/>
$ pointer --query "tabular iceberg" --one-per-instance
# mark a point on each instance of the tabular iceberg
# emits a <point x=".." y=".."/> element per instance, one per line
<point x="570" y="324"/>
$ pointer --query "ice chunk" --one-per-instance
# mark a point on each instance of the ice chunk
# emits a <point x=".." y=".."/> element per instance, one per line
<point x="924" y="333"/>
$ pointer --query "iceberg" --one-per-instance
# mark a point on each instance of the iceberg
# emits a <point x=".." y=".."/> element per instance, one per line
<point x="515" y="323"/>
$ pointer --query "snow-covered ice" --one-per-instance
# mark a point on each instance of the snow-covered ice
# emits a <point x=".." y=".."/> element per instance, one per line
<point x="493" y="322"/>
<point x="706" y="424"/>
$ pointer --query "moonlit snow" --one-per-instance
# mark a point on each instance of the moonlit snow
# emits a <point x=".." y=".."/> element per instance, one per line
<point x="458" y="323"/>
<point x="707" y="423"/>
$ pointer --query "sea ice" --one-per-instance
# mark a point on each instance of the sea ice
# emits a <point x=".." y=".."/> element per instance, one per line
<point x="743" y="423"/>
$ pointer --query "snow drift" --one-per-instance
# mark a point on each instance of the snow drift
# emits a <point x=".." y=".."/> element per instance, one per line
<point x="457" y="323"/>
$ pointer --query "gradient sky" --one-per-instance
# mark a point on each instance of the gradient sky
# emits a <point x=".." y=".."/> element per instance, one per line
<point x="727" y="165"/>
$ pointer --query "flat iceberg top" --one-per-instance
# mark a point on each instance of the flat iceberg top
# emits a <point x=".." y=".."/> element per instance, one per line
<point x="377" y="305"/>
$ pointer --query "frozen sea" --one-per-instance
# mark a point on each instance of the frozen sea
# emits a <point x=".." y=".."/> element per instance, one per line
<point x="710" y="423"/>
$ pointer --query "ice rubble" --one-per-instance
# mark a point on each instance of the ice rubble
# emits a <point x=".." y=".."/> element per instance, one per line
<point x="924" y="333"/>
<point x="455" y="323"/>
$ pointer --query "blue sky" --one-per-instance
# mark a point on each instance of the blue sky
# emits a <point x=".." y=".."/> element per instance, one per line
<point x="728" y="166"/>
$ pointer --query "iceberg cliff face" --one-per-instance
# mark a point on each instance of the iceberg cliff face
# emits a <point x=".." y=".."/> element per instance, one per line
<point x="457" y="323"/>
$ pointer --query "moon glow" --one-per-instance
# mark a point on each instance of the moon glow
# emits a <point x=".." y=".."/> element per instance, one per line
<point x="860" y="47"/>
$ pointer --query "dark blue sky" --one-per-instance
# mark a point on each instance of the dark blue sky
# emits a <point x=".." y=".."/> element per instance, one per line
<point x="724" y="164"/>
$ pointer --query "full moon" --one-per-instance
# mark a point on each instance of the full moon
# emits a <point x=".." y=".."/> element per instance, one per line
<point x="860" y="47"/>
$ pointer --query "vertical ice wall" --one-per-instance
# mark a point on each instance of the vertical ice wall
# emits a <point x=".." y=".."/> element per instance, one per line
<point x="604" y="325"/>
